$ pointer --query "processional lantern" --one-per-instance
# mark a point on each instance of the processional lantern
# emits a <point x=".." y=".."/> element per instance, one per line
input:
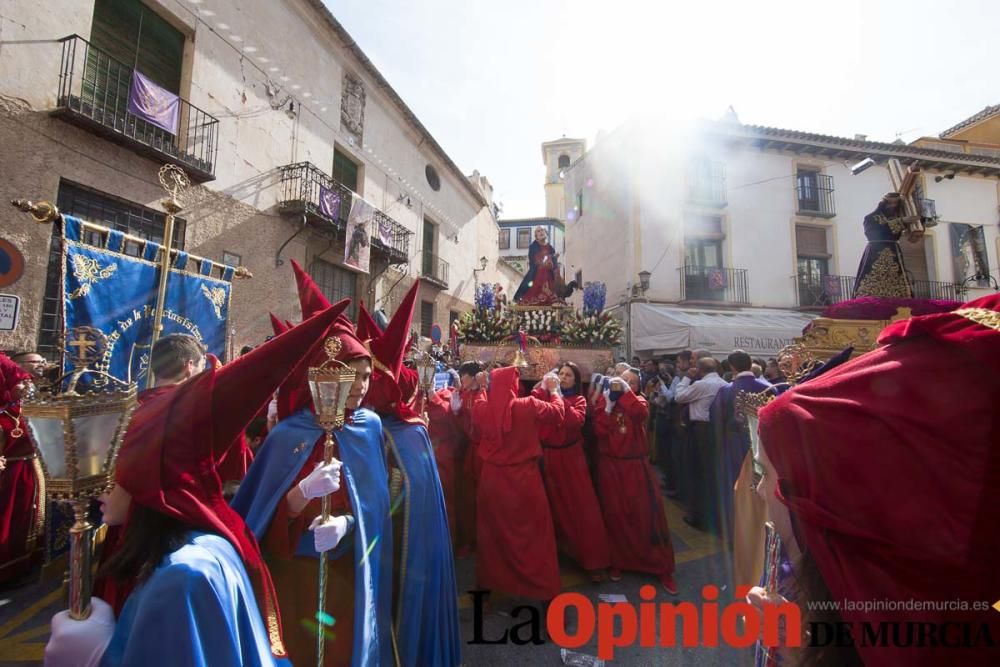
<point x="426" y="369"/>
<point x="77" y="429"/>
<point x="330" y="387"/>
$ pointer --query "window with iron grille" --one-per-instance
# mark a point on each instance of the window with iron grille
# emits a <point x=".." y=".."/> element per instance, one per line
<point x="335" y="283"/>
<point x="426" y="318"/>
<point x="504" y="239"/>
<point x="102" y="209"/>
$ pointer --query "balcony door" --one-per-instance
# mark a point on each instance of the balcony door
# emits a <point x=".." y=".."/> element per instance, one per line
<point x="703" y="266"/>
<point x="430" y="247"/>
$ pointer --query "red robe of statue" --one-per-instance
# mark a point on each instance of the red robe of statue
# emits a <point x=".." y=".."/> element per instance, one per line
<point x="516" y="551"/>
<point x="630" y="495"/>
<point x="576" y="513"/>
<point x="447" y="438"/>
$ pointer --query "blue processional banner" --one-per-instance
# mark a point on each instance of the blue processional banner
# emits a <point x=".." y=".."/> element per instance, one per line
<point x="116" y="294"/>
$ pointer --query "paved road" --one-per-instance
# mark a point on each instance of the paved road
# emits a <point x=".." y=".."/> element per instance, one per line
<point x="25" y="612"/>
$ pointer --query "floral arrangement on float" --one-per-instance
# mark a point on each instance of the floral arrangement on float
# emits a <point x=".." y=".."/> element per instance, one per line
<point x="589" y="327"/>
<point x="592" y="326"/>
<point x="486" y="323"/>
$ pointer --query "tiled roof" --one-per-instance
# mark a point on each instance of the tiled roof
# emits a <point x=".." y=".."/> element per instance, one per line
<point x="762" y="134"/>
<point x="988" y="112"/>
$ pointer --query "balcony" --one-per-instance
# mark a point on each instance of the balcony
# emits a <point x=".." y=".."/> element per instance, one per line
<point x="434" y="270"/>
<point x="815" y="195"/>
<point x="707" y="185"/>
<point x="821" y="291"/>
<point x="94" y="93"/>
<point x="300" y="195"/>
<point x="714" y="285"/>
<point x="932" y="289"/>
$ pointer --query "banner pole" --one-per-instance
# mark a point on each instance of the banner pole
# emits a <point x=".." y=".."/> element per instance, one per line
<point x="174" y="181"/>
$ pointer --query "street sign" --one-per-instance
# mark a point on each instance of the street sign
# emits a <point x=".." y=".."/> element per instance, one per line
<point x="11" y="263"/>
<point x="10" y="311"/>
<point x="436" y="334"/>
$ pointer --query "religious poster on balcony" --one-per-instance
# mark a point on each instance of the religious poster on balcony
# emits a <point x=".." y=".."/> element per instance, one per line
<point x="357" y="244"/>
<point x="154" y="104"/>
<point x="968" y="250"/>
<point x="116" y="294"/>
<point x="383" y="227"/>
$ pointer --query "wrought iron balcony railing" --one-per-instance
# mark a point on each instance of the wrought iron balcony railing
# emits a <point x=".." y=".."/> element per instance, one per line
<point x="434" y="270"/>
<point x="933" y="289"/>
<point x="303" y="187"/>
<point x="709" y="283"/>
<point x="820" y="291"/>
<point x="815" y="195"/>
<point x="94" y="92"/>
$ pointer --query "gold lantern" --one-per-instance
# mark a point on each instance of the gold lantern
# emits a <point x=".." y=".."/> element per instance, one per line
<point x="77" y="432"/>
<point x="330" y="386"/>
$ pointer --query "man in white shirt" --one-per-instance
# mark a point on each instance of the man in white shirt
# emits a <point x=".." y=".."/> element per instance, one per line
<point x="697" y="390"/>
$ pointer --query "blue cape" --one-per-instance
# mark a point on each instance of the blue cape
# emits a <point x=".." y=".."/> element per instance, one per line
<point x="427" y="628"/>
<point x="197" y="608"/>
<point x="364" y="475"/>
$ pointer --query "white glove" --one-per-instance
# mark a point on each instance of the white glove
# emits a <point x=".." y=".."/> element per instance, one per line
<point x="328" y="535"/>
<point x="456" y="403"/>
<point x="322" y="481"/>
<point x="609" y="405"/>
<point x="551" y="383"/>
<point x="80" y="643"/>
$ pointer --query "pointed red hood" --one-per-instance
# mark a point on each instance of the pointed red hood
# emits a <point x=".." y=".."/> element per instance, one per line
<point x="385" y="393"/>
<point x="889" y="466"/>
<point x="174" y="442"/>
<point x="11" y="375"/>
<point x="277" y="325"/>
<point x="368" y="328"/>
<point x="294" y="393"/>
<point x="390" y="348"/>
<point x="311" y="299"/>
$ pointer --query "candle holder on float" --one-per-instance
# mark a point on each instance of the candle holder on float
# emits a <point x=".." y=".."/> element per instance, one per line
<point x="330" y="387"/>
<point x="77" y="429"/>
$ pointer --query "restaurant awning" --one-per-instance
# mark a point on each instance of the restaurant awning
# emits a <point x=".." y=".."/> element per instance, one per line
<point x="662" y="329"/>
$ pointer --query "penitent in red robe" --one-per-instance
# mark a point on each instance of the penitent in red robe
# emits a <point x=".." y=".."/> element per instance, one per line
<point x="19" y="498"/>
<point x="447" y="438"/>
<point x="468" y="481"/>
<point x="630" y="495"/>
<point x="576" y="513"/>
<point x="516" y="553"/>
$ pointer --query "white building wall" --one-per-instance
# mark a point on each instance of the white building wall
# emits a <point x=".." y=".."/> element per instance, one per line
<point x="629" y="176"/>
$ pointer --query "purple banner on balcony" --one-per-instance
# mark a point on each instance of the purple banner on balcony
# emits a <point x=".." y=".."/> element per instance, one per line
<point x="831" y="286"/>
<point x="329" y="203"/>
<point x="384" y="227"/>
<point x="155" y="105"/>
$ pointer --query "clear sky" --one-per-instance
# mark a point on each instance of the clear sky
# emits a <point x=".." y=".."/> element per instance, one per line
<point x="492" y="80"/>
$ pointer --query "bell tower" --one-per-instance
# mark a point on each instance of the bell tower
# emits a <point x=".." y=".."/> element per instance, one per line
<point x="558" y="155"/>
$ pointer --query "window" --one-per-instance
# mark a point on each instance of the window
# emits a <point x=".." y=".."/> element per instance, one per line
<point x="505" y="239"/>
<point x="231" y="258"/>
<point x="563" y="161"/>
<point x="703" y="253"/>
<point x="430" y="245"/>
<point x="523" y="238"/>
<point x="131" y="33"/>
<point x="815" y="192"/>
<point x="426" y="318"/>
<point x="345" y="170"/>
<point x="102" y="209"/>
<point x="335" y="283"/>
<point x="707" y="182"/>
<point x="815" y="288"/>
<point x="915" y="259"/>
<point x="433" y="179"/>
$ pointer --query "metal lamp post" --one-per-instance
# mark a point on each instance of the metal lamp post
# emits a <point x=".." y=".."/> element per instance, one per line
<point x="77" y="435"/>
<point x="330" y="386"/>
